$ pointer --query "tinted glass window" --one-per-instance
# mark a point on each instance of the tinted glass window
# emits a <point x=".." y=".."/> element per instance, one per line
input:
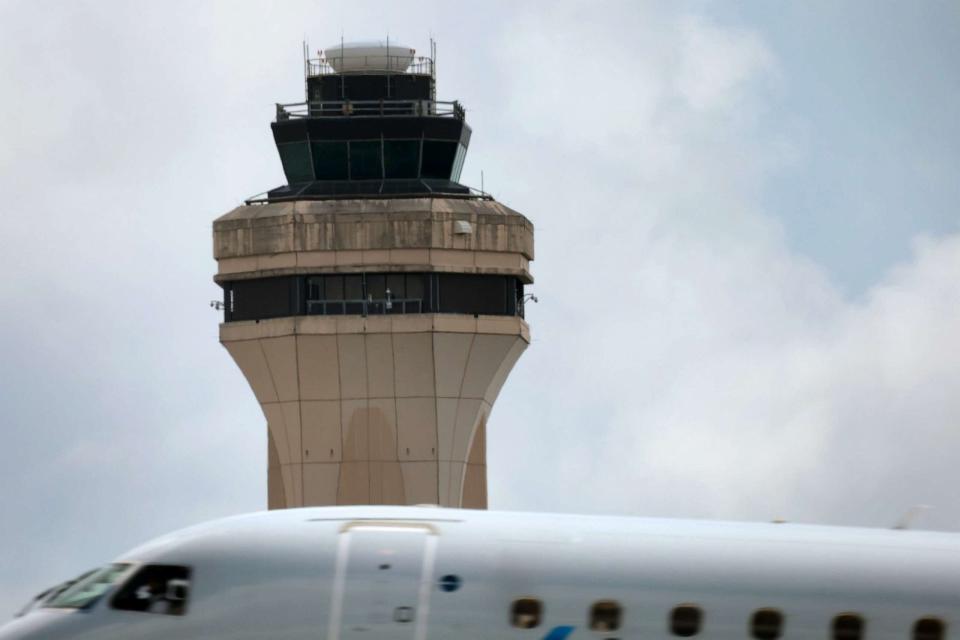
<point x="330" y="160"/>
<point x="685" y="620"/>
<point x="364" y="87"/>
<point x="278" y="297"/>
<point x="401" y="158"/>
<point x="365" y="160"/>
<point x="458" y="162"/>
<point x="315" y="288"/>
<point x="470" y="294"/>
<point x="334" y="286"/>
<point x="263" y="298"/>
<point x="396" y="282"/>
<point x="526" y="613"/>
<point x="295" y="157"/>
<point x="415" y="286"/>
<point x="353" y="287"/>
<point x="51" y="593"/>
<point x="87" y="591"/>
<point x="376" y="286"/>
<point x="437" y="159"/>
<point x="155" y="588"/>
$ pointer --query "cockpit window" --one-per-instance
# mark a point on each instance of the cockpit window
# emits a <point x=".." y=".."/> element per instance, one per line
<point x="85" y="592"/>
<point x="51" y="593"/>
<point x="155" y="588"/>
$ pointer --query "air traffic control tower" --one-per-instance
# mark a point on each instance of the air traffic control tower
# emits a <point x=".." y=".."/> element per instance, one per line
<point x="374" y="304"/>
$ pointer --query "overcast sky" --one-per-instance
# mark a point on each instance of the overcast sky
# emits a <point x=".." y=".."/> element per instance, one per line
<point x="747" y="256"/>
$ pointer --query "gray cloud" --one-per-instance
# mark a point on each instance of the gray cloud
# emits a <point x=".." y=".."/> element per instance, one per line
<point x="687" y="360"/>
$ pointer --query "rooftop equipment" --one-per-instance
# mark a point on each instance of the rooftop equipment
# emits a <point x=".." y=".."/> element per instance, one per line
<point x="377" y="56"/>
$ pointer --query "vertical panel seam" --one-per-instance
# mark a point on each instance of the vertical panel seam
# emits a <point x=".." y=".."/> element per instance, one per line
<point x="456" y="416"/>
<point x="396" y="411"/>
<point x="366" y="371"/>
<point x="273" y="384"/>
<point x="296" y="356"/>
<point x="336" y="341"/>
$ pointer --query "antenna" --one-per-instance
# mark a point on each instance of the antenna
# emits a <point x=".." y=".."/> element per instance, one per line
<point x="482" y="190"/>
<point x="306" y="68"/>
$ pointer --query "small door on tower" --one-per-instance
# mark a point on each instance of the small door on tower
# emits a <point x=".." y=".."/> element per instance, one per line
<point x="383" y="581"/>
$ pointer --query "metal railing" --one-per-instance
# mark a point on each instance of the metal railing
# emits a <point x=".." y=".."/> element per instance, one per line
<point x="377" y="64"/>
<point x="369" y="108"/>
<point x="300" y="193"/>
<point x="364" y="307"/>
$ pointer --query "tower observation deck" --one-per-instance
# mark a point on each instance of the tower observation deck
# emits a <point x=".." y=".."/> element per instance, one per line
<point x="374" y="304"/>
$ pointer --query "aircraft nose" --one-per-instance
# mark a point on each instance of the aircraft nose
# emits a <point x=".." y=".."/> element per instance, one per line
<point x="12" y="631"/>
<point x="33" y="626"/>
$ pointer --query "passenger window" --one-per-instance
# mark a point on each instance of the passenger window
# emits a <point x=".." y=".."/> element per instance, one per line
<point x="526" y="613"/>
<point x="685" y="620"/>
<point x="605" y="616"/>
<point x="928" y="629"/>
<point x="155" y="588"/>
<point x="767" y="624"/>
<point x="847" y="626"/>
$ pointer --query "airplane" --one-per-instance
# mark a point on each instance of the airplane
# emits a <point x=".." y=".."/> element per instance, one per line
<point x="419" y="573"/>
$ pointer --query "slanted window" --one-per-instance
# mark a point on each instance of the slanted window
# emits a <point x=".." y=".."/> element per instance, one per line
<point x="847" y="626"/>
<point x="330" y="160"/>
<point x="437" y="161"/>
<point x="89" y="588"/>
<point x="401" y="158"/>
<point x="155" y="588"/>
<point x="366" y="161"/>
<point x="526" y="613"/>
<point x="766" y="624"/>
<point x="685" y="620"/>
<point x="295" y="157"/>
<point x="605" y="615"/>
<point x="458" y="162"/>
<point x="929" y="629"/>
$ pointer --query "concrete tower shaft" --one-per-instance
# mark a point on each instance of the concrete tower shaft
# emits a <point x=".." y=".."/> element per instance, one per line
<point x="380" y="395"/>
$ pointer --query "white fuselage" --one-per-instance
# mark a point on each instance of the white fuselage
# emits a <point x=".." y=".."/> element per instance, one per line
<point x="407" y="573"/>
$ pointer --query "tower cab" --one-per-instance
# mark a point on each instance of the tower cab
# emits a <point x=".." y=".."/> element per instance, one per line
<point x="370" y="125"/>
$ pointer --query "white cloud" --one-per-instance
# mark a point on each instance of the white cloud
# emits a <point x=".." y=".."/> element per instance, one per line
<point x="707" y="370"/>
<point x="716" y="62"/>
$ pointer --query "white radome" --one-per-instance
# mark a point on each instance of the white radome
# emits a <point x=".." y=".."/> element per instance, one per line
<point x="369" y="56"/>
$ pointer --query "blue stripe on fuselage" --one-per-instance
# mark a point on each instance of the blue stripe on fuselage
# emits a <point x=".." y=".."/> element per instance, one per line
<point x="558" y="633"/>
